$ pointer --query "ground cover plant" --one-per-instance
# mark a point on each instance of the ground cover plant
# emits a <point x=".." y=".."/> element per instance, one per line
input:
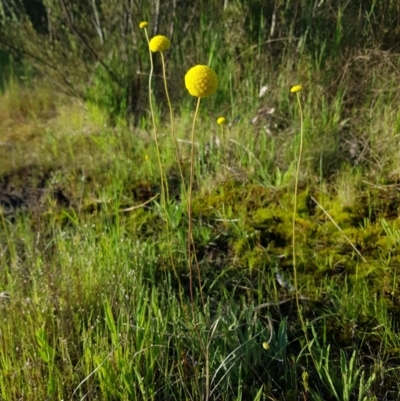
<point x="242" y="247"/>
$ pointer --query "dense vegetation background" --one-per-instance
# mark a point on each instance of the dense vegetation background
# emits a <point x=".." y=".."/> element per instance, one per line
<point x="94" y="286"/>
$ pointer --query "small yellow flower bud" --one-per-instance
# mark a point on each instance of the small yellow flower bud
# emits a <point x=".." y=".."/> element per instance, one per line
<point x="296" y="88"/>
<point x="143" y="24"/>
<point x="221" y="120"/>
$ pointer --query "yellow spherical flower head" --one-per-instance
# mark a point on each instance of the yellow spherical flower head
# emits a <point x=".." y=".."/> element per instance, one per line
<point x="201" y="81"/>
<point x="221" y="120"/>
<point x="159" y="43"/>
<point x="143" y="24"/>
<point x="296" y="88"/>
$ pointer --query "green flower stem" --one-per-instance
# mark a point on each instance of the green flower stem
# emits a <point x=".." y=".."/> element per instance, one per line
<point x="164" y="189"/>
<point x="296" y="186"/>
<point x="192" y="255"/>
<point x="171" y="115"/>
<point x="224" y="144"/>
<point x="164" y="184"/>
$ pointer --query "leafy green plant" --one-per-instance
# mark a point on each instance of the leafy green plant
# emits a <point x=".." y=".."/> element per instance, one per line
<point x="47" y="353"/>
<point x="342" y="385"/>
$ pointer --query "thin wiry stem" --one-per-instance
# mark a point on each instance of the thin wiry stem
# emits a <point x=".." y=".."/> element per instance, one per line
<point x="224" y="144"/>
<point x="192" y="251"/>
<point x="190" y="224"/>
<point x="171" y="115"/>
<point x="164" y="183"/>
<point x="163" y="189"/>
<point x="296" y="186"/>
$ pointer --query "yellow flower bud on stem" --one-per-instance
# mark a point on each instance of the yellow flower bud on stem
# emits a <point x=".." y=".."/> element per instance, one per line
<point x="296" y="89"/>
<point x="201" y="81"/>
<point x="221" y="122"/>
<point x="160" y="43"/>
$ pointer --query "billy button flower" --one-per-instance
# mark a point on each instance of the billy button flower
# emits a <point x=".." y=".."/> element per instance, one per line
<point x="143" y="24"/>
<point x="159" y="43"/>
<point x="201" y="81"/>
<point x="221" y="120"/>
<point x="296" y="88"/>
